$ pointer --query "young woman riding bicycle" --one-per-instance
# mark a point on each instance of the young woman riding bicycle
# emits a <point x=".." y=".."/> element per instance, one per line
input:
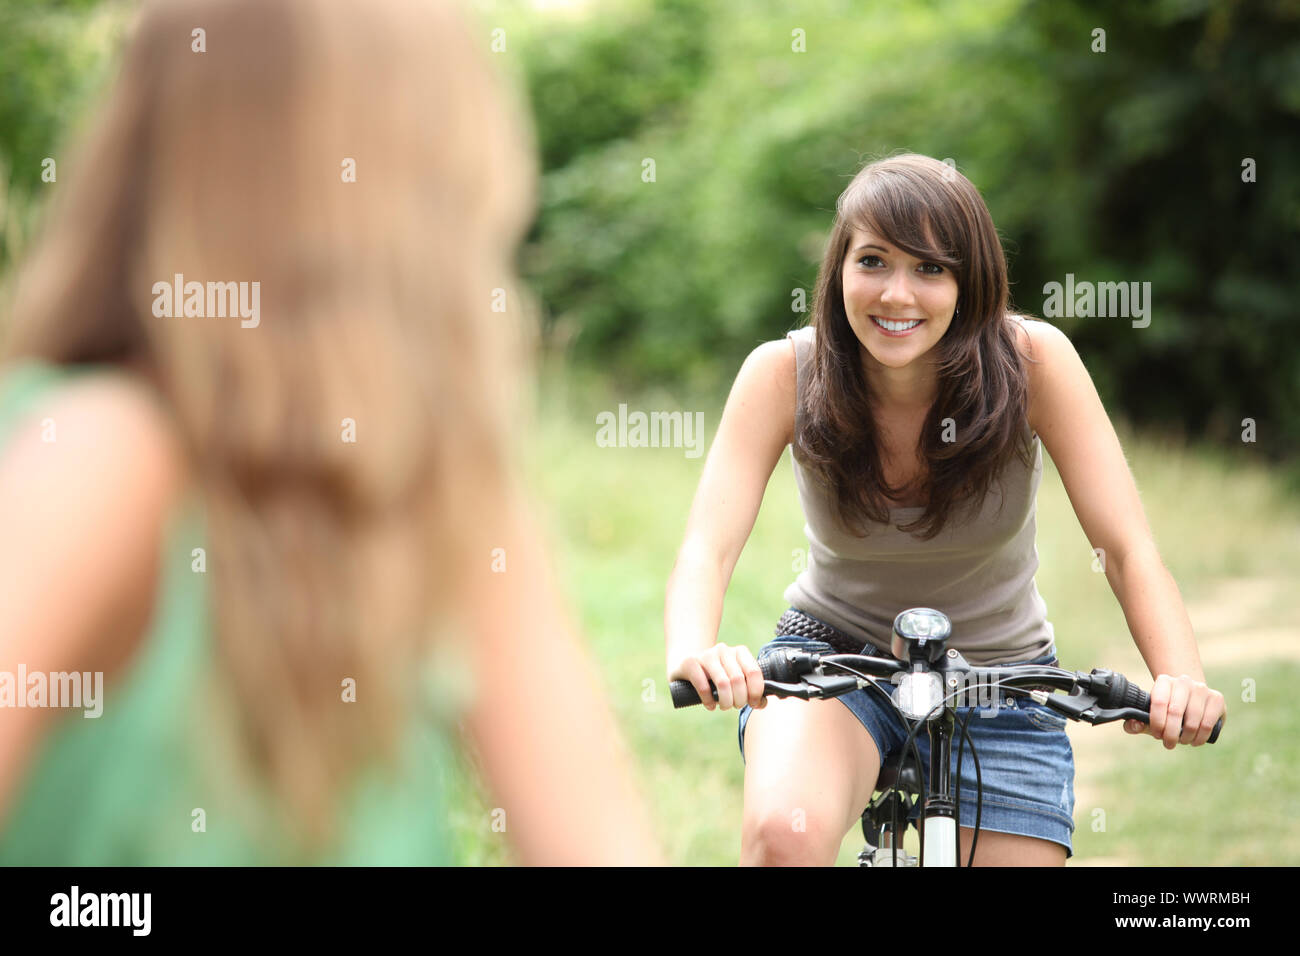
<point x="915" y="403"/>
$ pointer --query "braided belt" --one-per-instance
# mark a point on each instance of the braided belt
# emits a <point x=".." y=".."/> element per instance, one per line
<point x="801" y="625"/>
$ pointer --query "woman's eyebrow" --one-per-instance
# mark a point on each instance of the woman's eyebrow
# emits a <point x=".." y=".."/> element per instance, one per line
<point x="870" y="245"/>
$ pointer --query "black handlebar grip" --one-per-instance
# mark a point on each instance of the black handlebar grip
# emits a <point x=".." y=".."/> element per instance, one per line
<point x="1123" y="693"/>
<point x="685" y="694"/>
<point x="1142" y="701"/>
<point x="775" y="667"/>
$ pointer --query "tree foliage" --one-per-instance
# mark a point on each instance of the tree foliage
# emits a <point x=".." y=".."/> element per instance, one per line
<point x="1115" y="164"/>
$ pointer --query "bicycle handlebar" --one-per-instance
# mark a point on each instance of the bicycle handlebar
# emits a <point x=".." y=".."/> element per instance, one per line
<point x="1099" y="697"/>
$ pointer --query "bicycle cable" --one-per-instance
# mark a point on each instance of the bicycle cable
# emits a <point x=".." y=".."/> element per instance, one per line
<point x="979" y="787"/>
<point x="925" y="790"/>
<point x="871" y="683"/>
<point x="910" y="742"/>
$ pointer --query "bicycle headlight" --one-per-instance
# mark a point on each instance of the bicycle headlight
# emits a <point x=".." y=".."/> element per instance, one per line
<point x="920" y="633"/>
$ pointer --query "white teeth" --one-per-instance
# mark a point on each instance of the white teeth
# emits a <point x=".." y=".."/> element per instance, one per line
<point x="895" y="326"/>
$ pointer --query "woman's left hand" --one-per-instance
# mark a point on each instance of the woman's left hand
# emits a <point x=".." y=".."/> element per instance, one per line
<point x="1183" y="711"/>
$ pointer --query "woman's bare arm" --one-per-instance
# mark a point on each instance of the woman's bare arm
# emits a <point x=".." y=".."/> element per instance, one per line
<point x="545" y="736"/>
<point x="1067" y="414"/>
<point x="83" y="516"/>
<point x="757" y="425"/>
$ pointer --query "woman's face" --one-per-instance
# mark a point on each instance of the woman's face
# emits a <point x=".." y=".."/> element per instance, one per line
<point x="882" y="282"/>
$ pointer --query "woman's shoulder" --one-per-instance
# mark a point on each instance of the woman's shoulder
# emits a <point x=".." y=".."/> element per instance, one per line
<point x="28" y="383"/>
<point x="1031" y="331"/>
<point x="1036" y="338"/>
<point x="90" y="422"/>
<point x="90" y="470"/>
<point x="777" y="359"/>
<point x="91" y="400"/>
<point x="768" y="383"/>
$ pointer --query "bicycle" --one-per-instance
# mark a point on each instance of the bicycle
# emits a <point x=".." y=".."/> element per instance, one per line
<point x="929" y="674"/>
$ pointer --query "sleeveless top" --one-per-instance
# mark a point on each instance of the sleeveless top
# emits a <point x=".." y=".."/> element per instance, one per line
<point x="979" y="570"/>
<point x="124" y="788"/>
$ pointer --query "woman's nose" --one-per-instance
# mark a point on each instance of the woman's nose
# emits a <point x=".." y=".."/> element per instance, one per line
<point x="897" y="288"/>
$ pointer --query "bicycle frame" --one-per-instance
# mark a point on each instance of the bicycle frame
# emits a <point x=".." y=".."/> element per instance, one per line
<point x="938" y="825"/>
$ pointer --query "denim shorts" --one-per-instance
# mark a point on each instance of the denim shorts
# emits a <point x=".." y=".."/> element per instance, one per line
<point x="1026" y="762"/>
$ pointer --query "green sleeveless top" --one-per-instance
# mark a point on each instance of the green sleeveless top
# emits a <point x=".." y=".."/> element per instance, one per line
<point x="126" y="788"/>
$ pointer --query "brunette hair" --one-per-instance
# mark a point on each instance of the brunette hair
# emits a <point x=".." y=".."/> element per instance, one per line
<point x="931" y="211"/>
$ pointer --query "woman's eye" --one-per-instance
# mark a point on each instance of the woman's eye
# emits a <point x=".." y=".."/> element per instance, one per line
<point x="928" y="268"/>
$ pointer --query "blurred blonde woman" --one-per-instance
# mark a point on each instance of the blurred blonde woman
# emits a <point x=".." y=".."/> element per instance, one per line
<point x="289" y="531"/>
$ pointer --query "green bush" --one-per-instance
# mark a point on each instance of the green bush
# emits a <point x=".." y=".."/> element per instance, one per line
<point x="1122" y="165"/>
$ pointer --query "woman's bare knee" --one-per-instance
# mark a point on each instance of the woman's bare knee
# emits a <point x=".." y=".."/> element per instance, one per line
<point x="789" y="836"/>
<point x="810" y="770"/>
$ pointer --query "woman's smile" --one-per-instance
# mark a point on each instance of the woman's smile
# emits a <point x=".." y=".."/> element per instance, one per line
<point x="895" y="328"/>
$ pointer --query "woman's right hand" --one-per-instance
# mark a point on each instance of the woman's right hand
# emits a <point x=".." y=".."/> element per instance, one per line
<point x="733" y="671"/>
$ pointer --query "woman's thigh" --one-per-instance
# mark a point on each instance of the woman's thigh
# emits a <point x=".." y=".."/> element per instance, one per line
<point x="1010" y="849"/>
<point x="810" y="769"/>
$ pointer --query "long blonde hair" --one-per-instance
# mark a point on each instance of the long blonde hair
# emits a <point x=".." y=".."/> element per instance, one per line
<point x="379" y="303"/>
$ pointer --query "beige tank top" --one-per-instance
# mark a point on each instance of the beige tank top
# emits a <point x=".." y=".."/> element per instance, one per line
<point x="979" y="570"/>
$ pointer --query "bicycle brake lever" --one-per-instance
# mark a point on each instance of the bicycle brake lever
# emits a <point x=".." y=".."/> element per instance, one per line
<point x="1078" y="706"/>
<point x="813" y="687"/>
<point x="832" y="685"/>
<point x="774" y="688"/>
<point x="1084" y="707"/>
<point x="1120" y="713"/>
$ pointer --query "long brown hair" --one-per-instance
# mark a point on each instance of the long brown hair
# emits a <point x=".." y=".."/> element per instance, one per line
<point x="328" y="559"/>
<point x="931" y="211"/>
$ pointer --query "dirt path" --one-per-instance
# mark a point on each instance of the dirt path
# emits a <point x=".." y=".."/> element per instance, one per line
<point x="1232" y="628"/>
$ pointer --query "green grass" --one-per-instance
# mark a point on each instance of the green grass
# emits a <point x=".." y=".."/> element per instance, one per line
<point x="617" y="515"/>
<point x="1235" y="803"/>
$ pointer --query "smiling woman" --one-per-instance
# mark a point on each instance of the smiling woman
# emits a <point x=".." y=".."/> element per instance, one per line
<point x="917" y="417"/>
